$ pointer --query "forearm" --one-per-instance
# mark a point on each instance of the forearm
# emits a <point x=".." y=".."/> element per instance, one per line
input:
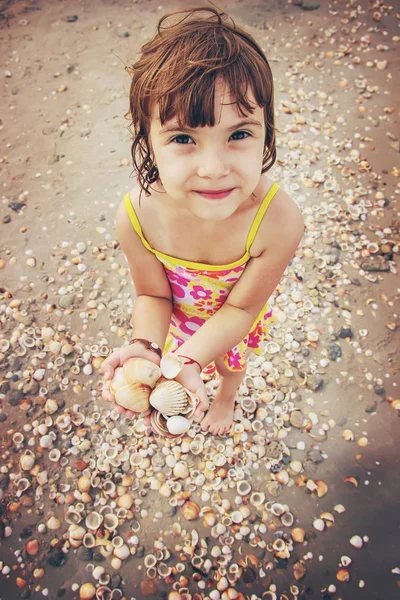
<point x="151" y="318"/>
<point x="218" y="335"/>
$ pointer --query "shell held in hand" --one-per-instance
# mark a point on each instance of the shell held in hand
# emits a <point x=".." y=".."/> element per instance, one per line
<point x="140" y="370"/>
<point x="171" y="365"/>
<point x="133" y="397"/>
<point x="177" y="425"/>
<point x="170" y="398"/>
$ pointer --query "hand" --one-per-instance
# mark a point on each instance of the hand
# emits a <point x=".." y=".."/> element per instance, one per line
<point x="117" y="359"/>
<point x="190" y="378"/>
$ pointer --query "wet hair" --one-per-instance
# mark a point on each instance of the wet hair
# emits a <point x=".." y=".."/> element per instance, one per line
<point x="178" y="69"/>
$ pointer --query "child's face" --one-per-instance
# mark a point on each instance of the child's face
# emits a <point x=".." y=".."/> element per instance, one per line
<point x="211" y="171"/>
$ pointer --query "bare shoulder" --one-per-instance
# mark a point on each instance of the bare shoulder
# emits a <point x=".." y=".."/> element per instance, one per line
<point x="123" y="223"/>
<point x="283" y="220"/>
<point x="147" y="272"/>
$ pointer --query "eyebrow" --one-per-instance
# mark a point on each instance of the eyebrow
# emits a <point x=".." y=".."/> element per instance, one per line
<point x="243" y="123"/>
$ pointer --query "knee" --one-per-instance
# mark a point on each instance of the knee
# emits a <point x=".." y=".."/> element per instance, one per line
<point x="223" y="369"/>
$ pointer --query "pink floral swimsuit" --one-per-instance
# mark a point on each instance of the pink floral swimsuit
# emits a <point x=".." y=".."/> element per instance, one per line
<point x="199" y="290"/>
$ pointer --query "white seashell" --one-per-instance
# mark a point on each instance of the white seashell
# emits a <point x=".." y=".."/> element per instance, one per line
<point x="27" y="460"/>
<point x="257" y="498"/>
<point x="110" y="521"/>
<point x="243" y="487"/>
<point x="54" y="455"/>
<point x="46" y="441"/>
<point x="181" y="470"/>
<point x="287" y="519"/>
<point x="177" y="424"/>
<point x="319" y="524"/>
<point x="170" y="398"/>
<point x="356" y="541"/>
<point x="171" y="365"/>
<point x="272" y="347"/>
<point x="93" y="521"/>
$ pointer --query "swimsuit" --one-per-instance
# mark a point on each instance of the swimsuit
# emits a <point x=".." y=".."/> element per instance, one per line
<point x="199" y="290"/>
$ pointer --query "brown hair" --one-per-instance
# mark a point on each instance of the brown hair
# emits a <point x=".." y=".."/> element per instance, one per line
<point x="178" y="69"/>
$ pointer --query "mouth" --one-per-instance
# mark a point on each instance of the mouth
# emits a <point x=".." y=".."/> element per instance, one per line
<point x="214" y="194"/>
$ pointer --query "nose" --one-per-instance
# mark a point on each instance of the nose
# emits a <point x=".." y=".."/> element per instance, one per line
<point x="212" y="165"/>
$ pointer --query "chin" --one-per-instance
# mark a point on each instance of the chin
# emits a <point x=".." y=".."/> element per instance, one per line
<point x="214" y="213"/>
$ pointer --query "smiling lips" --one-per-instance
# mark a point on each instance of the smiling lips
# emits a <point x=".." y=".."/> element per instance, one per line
<point x="214" y="194"/>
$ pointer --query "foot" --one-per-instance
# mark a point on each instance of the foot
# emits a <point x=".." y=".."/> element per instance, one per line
<point x="219" y="418"/>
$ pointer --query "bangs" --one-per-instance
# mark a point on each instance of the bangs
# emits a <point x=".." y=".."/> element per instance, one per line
<point x="193" y="104"/>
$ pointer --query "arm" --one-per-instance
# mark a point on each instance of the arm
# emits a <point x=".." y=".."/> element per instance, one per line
<point x="153" y="305"/>
<point x="152" y="308"/>
<point x="234" y="319"/>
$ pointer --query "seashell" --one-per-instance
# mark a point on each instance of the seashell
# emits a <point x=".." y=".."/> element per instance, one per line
<point x="345" y="561"/>
<point x="171" y="365"/>
<point x="343" y="575"/>
<point x="196" y="447"/>
<point x="53" y="523"/>
<point x="27" y="460"/>
<point x="243" y="488"/>
<point x="93" y="521"/>
<point x="109" y="487"/>
<point x="77" y="418"/>
<point x="272" y="348"/>
<point x="248" y="404"/>
<point x="122" y="552"/>
<point x="298" y="534"/>
<point x="287" y="519"/>
<point x="73" y="517"/>
<point x="257" y="498"/>
<point x="103" y="593"/>
<point x="150" y="561"/>
<point x="181" y="470"/>
<point x="87" y="591"/>
<point x="76" y="532"/>
<point x="110" y="521"/>
<point x="54" y="455"/>
<point x="18" y="438"/>
<point x="134" y="397"/>
<point x="356" y="541"/>
<point x="178" y="425"/>
<point x="84" y="483"/>
<point x="23" y="484"/>
<point x="348" y="435"/>
<point x="4" y="345"/>
<point x="159" y="423"/>
<point x="46" y="441"/>
<point x="190" y="510"/>
<point x="282" y="476"/>
<point x="170" y="398"/>
<point x="277" y="509"/>
<point x="319" y="524"/>
<point x="89" y="541"/>
<point x="322" y="488"/>
<point x="140" y="370"/>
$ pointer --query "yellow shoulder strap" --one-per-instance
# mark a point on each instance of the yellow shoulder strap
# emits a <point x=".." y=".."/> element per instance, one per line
<point x="260" y="215"/>
<point x="135" y="221"/>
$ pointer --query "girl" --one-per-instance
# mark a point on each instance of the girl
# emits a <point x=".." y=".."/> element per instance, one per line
<point x="206" y="233"/>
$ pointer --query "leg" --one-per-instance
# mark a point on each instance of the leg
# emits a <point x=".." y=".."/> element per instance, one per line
<point x="219" y="418"/>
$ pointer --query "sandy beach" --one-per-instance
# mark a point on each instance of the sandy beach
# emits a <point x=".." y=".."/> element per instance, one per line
<point x="301" y="499"/>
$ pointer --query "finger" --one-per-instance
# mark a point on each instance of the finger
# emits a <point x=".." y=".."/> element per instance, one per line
<point x="110" y="364"/>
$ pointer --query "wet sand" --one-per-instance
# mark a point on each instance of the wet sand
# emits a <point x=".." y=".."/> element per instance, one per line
<point x="65" y="166"/>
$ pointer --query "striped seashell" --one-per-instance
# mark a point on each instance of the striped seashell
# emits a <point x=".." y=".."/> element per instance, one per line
<point x="170" y="398"/>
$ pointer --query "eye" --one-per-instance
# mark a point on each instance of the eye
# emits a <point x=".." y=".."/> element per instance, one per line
<point x="240" y="135"/>
<point x="182" y="139"/>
